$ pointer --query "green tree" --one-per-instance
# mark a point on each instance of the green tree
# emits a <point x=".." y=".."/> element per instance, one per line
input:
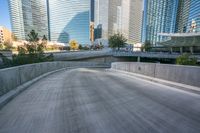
<point x="146" y="46"/>
<point x="186" y="59"/>
<point x="80" y="47"/>
<point x="44" y="38"/>
<point x="34" y="46"/>
<point x="117" y="41"/>
<point x="33" y="37"/>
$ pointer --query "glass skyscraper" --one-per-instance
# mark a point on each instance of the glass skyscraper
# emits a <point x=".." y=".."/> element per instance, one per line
<point x="159" y="17"/>
<point x="69" y="19"/>
<point x="27" y="15"/>
<point x="182" y="16"/>
<point x="194" y="17"/>
<point x="188" y="16"/>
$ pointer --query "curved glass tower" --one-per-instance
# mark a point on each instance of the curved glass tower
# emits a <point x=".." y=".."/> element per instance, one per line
<point x="27" y="15"/>
<point x="16" y="17"/>
<point x="69" y="19"/>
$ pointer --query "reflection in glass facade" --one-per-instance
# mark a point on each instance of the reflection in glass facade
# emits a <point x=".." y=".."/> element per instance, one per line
<point x="160" y="17"/>
<point x="194" y="16"/>
<point x="69" y="19"/>
<point x="27" y="15"/>
<point x="182" y="16"/>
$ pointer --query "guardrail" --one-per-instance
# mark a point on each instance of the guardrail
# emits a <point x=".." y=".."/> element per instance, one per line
<point x="11" y="78"/>
<point x="189" y="75"/>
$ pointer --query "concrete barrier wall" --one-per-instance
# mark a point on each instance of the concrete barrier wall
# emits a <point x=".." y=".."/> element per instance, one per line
<point x="10" y="78"/>
<point x="189" y="75"/>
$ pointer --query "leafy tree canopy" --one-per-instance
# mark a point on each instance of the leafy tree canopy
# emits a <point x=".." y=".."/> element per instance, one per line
<point x="117" y="41"/>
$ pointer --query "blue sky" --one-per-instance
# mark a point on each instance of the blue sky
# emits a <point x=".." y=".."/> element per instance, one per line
<point x="4" y="14"/>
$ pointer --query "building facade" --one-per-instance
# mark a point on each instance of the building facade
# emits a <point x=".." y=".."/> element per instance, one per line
<point x="27" y="15"/>
<point x="16" y="17"/>
<point x="68" y="20"/>
<point x="101" y="18"/>
<point x="194" y="16"/>
<point x="119" y="16"/>
<point x="182" y="16"/>
<point x="160" y="17"/>
<point x="5" y="35"/>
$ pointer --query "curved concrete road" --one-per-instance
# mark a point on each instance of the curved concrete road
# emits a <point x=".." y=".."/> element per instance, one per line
<point x="100" y="101"/>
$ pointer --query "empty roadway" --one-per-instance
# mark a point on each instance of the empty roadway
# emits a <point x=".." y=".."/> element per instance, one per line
<point x="100" y="101"/>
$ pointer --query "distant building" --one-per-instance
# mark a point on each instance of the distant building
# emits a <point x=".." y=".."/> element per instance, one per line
<point x="5" y="35"/>
<point x="159" y="17"/>
<point x="27" y="15"/>
<point x="182" y="16"/>
<point x="188" y="18"/>
<point x="123" y="16"/>
<point x="69" y="19"/>
<point x="101" y="18"/>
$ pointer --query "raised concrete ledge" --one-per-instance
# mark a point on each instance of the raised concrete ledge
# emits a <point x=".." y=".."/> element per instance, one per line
<point x="185" y="87"/>
<point x="187" y="75"/>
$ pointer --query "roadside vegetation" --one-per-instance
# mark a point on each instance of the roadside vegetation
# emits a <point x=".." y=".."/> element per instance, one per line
<point x="186" y="59"/>
<point x="31" y="52"/>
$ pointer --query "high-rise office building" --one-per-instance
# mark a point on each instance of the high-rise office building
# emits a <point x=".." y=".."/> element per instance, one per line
<point x="135" y="20"/>
<point x="16" y="16"/>
<point x="182" y="16"/>
<point x="194" y="16"/>
<point x="27" y="15"/>
<point x="101" y="18"/>
<point x="123" y="16"/>
<point x="159" y="17"/>
<point x="188" y="16"/>
<point x="69" y="19"/>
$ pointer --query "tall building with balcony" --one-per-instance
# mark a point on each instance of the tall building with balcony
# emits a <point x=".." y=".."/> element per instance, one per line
<point x="159" y="17"/>
<point x="27" y="15"/>
<point x="16" y="17"/>
<point x="68" y="20"/>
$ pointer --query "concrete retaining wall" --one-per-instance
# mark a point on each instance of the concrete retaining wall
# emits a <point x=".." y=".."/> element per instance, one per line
<point x="11" y="78"/>
<point x="189" y="75"/>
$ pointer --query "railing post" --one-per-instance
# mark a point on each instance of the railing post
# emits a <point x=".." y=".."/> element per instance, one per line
<point x="138" y="59"/>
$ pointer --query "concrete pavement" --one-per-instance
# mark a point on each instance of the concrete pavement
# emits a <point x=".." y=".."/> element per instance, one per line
<point x="99" y="101"/>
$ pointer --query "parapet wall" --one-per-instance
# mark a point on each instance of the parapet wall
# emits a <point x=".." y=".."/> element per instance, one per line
<point x="189" y="75"/>
<point x="11" y="78"/>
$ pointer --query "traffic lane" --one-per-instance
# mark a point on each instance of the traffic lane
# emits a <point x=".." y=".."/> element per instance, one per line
<point x="98" y="101"/>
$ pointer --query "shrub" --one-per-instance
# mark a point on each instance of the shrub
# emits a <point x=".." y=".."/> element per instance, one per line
<point x="186" y="59"/>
